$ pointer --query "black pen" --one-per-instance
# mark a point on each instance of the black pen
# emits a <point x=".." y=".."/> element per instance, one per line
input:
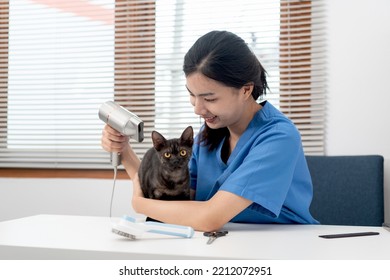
<point x="354" y="234"/>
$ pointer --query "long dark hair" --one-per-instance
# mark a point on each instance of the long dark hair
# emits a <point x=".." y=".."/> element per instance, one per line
<point x="226" y="58"/>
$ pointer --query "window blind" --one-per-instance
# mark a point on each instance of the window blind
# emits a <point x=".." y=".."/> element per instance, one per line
<point x="60" y="60"/>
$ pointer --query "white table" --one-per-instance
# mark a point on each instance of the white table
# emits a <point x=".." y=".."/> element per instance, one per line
<point x="79" y="237"/>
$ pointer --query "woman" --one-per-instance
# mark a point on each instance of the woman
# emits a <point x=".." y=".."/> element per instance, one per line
<point x="248" y="163"/>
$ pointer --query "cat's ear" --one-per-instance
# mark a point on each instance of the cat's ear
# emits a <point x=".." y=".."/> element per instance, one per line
<point x="187" y="137"/>
<point x="159" y="141"/>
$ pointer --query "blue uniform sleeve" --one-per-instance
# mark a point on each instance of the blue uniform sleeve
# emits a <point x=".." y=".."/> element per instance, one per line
<point x="267" y="169"/>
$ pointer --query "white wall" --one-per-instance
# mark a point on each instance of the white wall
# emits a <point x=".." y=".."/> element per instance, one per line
<point x="21" y="197"/>
<point x="358" y="81"/>
<point x="358" y="117"/>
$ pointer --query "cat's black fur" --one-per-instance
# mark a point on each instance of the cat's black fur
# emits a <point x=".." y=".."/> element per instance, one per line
<point x="164" y="170"/>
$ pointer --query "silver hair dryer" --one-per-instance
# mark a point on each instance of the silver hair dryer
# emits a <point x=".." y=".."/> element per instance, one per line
<point x="123" y="121"/>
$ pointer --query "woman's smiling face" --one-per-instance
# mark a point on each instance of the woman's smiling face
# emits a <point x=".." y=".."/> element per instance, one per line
<point x="219" y="105"/>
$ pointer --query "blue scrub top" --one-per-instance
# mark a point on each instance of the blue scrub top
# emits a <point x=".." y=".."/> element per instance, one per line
<point x="267" y="166"/>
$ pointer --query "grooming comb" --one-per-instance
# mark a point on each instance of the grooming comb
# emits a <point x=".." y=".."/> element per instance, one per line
<point x="132" y="227"/>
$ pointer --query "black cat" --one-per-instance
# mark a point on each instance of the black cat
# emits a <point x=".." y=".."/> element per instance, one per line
<point x="164" y="170"/>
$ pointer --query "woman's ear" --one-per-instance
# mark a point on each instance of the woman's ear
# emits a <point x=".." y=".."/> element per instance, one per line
<point x="247" y="90"/>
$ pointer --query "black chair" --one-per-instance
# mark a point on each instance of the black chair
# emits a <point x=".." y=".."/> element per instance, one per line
<point x="347" y="190"/>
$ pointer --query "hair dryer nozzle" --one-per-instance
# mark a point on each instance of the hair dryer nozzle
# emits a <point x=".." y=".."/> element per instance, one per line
<point x="122" y="120"/>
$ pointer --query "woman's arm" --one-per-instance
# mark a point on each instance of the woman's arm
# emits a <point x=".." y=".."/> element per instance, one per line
<point x="208" y="215"/>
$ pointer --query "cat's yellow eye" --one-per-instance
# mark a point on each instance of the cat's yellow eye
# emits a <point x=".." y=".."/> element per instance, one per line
<point x="183" y="153"/>
<point x="167" y="155"/>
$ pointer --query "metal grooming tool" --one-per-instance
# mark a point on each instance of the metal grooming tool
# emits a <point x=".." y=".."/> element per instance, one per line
<point x="214" y="235"/>
<point x="122" y="121"/>
<point x="132" y="227"/>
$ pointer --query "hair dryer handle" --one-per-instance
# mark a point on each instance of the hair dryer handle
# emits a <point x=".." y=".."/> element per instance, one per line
<point x="115" y="159"/>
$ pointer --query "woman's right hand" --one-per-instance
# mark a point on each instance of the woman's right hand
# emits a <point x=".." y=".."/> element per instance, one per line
<point x="114" y="141"/>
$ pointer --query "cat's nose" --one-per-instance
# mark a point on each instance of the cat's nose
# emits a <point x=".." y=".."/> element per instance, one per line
<point x="176" y="163"/>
